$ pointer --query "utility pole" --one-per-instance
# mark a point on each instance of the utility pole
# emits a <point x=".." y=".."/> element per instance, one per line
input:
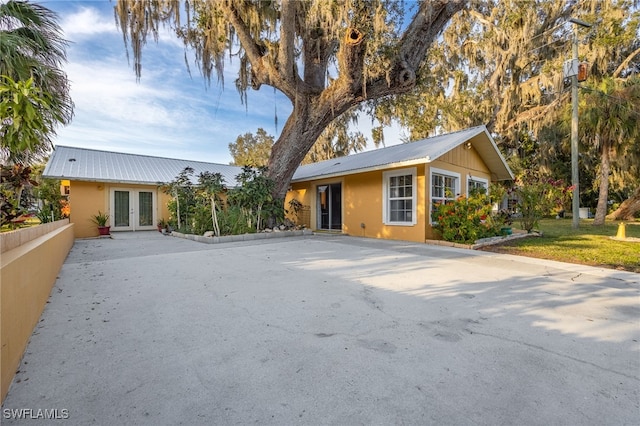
<point x="575" y="178"/>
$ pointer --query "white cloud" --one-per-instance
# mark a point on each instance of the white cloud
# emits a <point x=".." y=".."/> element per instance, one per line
<point x="165" y="113"/>
<point x="168" y="112"/>
<point x="87" y="21"/>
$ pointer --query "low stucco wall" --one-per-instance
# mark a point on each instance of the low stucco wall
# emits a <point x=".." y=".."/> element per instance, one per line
<point x="27" y="275"/>
<point x="12" y="239"/>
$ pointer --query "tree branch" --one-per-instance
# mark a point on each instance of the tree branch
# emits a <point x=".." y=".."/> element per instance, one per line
<point x="626" y="62"/>
<point x="351" y="59"/>
<point x="286" y="59"/>
<point x="262" y="72"/>
<point x="317" y="51"/>
<point x="429" y="21"/>
<point x="423" y="30"/>
<point x="253" y="50"/>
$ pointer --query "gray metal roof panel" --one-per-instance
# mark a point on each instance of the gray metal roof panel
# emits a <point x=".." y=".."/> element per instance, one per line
<point x="94" y="165"/>
<point x="425" y="150"/>
<point x="104" y="166"/>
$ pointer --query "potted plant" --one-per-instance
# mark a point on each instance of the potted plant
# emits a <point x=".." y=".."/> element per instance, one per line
<point x="505" y="217"/>
<point x="101" y="220"/>
<point x="162" y="224"/>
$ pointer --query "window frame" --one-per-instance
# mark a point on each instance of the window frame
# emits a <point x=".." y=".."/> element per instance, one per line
<point x="386" y="198"/>
<point x="477" y="179"/>
<point x="442" y="172"/>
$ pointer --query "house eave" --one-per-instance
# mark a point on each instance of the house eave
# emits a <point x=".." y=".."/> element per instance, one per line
<point x="120" y="182"/>
<point x="387" y="166"/>
<point x="112" y="181"/>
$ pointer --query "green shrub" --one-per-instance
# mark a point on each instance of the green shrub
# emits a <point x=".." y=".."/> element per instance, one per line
<point x="538" y="197"/>
<point x="232" y="221"/>
<point x="198" y="208"/>
<point x="466" y="219"/>
<point x="254" y="198"/>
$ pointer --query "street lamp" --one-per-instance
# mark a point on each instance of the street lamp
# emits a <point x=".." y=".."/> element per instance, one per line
<point x="575" y="181"/>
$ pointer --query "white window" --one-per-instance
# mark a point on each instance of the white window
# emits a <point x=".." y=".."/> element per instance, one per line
<point x="476" y="183"/>
<point x="445" y="187"/>
<point x="400" y="197"/>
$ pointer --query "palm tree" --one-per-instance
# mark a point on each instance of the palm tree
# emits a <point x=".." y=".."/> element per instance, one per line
<point x="610" y="121"/>
<point x="32" y="48"/>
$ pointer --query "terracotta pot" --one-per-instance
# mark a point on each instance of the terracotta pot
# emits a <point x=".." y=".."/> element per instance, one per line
<point x="104" y="230"/>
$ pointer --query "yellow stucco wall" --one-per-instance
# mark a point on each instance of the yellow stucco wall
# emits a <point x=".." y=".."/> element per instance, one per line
<point x="27" y="274"/>
<point x="300" y="192"/>
<point x="363" y="204"/>
<point x="87" y="198"/>
<point x="362" y="197"/>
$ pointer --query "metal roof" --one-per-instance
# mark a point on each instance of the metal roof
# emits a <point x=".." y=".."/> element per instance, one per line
<point x="422" y="151"/>
<point x="104" y="166"/>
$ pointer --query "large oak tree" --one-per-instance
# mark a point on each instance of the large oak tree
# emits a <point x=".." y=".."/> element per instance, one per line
<point x="325" y="56"/>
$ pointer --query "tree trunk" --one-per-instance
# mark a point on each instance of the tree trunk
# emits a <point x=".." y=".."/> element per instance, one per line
<point x="300" y="132"/>
<point x="317" y="98"/>
<point x="310" y="116"/>
<point x="214" y="216"/>
<point x="603" y="194"/>
<point x="314" y="109"/>
<point x="628" y="208"/>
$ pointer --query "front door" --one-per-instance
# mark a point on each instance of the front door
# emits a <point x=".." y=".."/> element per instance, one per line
<point x="330" y="207"/>
<point x="132" y="210"/>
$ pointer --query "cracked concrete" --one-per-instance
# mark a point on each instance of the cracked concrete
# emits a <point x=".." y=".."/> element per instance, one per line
<point x="145" y="329"/>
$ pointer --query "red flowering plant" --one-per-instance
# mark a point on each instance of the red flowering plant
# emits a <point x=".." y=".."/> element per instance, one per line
<point x="465" y="219"/>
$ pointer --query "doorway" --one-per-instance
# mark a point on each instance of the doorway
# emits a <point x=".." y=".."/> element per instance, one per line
<point x="329" y="201"/>
<point x="132" y="210"/>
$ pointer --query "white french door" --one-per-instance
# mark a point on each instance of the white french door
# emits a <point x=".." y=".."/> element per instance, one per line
<point x="132" y="210"/>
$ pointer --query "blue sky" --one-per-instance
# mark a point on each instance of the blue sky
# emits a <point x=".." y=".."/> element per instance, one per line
<point x="168" y="113"/>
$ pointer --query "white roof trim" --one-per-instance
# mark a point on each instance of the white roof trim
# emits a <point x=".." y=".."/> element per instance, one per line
<point x="419" y="152"/>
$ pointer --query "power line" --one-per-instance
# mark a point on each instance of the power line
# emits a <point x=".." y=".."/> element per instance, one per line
<point x="546" y="31"/>
<point x="558" y="41"/>
<point x="622" y="102"/>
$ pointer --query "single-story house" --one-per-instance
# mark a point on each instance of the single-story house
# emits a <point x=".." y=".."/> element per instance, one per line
<point x="127" y="186"/>
<point x="390" y="192"/>
<point x="383" y="193"/>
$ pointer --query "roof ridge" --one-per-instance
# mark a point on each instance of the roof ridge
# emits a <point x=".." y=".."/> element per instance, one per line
<point x="142" y="155"/>
<point x="397" y="145"/>
<point x="451" y="133"/>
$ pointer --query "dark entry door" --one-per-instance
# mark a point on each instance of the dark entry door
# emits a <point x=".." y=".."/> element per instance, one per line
<point x="330" y="206"/>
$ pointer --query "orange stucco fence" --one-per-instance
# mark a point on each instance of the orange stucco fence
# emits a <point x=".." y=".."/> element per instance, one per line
<point x="30" y="260"/>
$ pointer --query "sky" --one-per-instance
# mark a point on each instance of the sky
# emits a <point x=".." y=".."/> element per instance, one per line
<point x="168" y="112"/>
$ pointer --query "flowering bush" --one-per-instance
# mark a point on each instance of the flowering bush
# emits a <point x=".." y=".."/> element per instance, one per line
<point x="466" y="219"/>
<point x="537" y="198"/>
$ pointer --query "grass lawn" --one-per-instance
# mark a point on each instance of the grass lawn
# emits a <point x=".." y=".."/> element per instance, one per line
<point x="587" y="245"/>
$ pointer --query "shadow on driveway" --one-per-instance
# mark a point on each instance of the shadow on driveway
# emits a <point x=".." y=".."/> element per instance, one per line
<point x="146" y="329"/>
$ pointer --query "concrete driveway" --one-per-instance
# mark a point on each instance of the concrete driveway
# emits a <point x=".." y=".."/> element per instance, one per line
<point x="150" y="330"/>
